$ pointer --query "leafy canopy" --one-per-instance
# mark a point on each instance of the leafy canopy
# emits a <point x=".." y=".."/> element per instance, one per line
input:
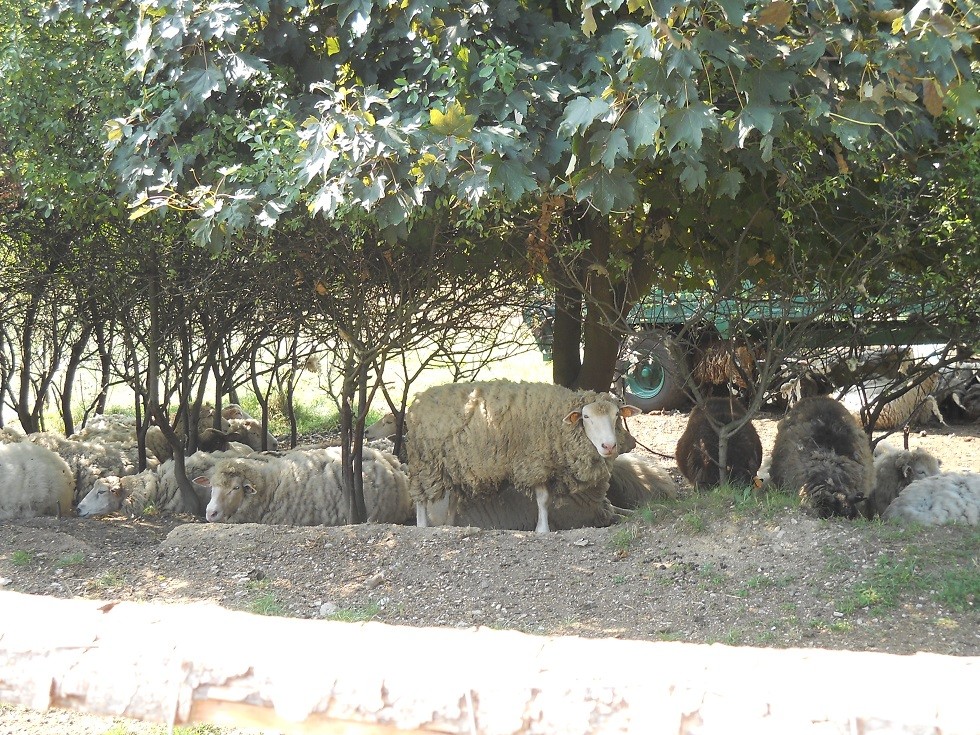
<point x="249" y="110"/>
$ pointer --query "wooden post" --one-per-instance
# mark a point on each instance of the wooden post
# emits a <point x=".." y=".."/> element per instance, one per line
<point x="192" y="663"/>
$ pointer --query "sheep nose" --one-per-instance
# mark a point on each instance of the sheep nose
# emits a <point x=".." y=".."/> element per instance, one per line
<point x="609" y="446"/>
<point x="212" y="514"/>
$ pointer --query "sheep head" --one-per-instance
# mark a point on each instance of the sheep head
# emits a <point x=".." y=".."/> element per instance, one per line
<point x="599" y="420"/>
<point x="230" y="485"/>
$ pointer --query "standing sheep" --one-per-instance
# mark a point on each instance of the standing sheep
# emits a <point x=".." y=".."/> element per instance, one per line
<point x="894" y="470"/>
<point x="932" y="501"/>
<point x="304" y="488"/>
<point x="697" y="449"/>
<point x="472" y="439"/>
<point x="822" y="453"/>
<point x="34" y="481"/>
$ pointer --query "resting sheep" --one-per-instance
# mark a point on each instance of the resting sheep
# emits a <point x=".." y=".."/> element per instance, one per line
<point x="697" y="448"/>
<point x="636" y="481"/>
<point x="151" y="489"/>
<point x="822" y="453"/>
<point x="34" y="481"/>
<point x="304" y="488"/>
<point x="384" y="428"/>
<point x="158" y="446"/>
<point x="724" y="363"/>
<point x="916" y="405"/>
<point x="894" y="470"/>
<point x="932" y="501"/>
<point x="472" y="439"/>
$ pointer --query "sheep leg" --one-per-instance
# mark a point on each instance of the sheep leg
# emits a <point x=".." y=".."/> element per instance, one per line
<point x="421" y="515"/>
<point x="541" y="493"/>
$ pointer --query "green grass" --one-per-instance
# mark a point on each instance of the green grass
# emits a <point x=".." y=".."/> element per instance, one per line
<point x="109" y="581"/>
<point x="625" y="536"/>
<point x="21" y="558"/>
<point x="72" y="560"/>
<point x="360" y="614"/>
<point x="200" y="729"/>
<point x="889" y="580"/>
<point x="266" y="604"/>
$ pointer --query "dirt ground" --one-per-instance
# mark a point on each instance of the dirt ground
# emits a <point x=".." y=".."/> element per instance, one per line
<point x="719" y="568"/>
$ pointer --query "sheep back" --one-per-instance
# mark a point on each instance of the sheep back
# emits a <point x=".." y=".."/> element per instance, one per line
<point x="894" y="470"/>
<point x="636" y="481"/>
<point x="34" y="481"/>
<point x="474" y="438"/>
<point x="937" y="500"/>
<point x="822" y="453"/>
<point x="305" y="488"/>
<point x="697" y="448"/>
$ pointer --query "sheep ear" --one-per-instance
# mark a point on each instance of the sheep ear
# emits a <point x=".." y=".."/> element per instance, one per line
<point x="573" y="417"/>
<point x="202" y="481"/>
<point x="629" y="411"/>
<point x="249" y="488"/>
<point x="907" y="471"/>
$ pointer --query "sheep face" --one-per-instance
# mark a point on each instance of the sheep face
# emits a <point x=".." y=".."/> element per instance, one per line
<point x="599" y="420"/>
<point x="383" y="428"/>
<point x="226" y="497"/>
<point x="106" y="496"/>
<point x="920" y="464"/>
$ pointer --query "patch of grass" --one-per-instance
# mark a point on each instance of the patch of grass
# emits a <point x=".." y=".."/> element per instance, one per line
<point x="72" y="560"/>
<point x="619" y="579"/>
<point x="695" y="522"/>
<point x="755" y="583"/>
<point x="109" y="580"/>
<point x="266" y="604"/>
<point x="710" y="575"/>
<point x="624" y="537"/>
<point x="360" y="614"/>
<point x="959" y="588"/>
<point x="21" y="558"/>
<point x="837" y="561"/>
<point x="199" y="729"/>
<point x="889" y="579"/>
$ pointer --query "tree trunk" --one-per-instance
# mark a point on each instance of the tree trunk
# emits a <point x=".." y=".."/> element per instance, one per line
<point x="179" y="664"/>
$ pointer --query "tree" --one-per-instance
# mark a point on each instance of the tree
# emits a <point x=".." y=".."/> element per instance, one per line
<point x="643" y="117"/>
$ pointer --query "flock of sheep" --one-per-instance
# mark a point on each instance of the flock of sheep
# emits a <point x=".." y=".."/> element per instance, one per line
<point x="495" y="454"/>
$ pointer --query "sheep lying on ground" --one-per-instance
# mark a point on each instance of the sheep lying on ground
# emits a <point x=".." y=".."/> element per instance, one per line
<point x="472" y="439"/>
<point x="724" y="363"/>
<point x="384" y="428"/>
<point x="634" y="482"/>
<point x="304" y="488"/>
<point x="822" y="453"/>
<point x="915" y="406"/>
<point x="697" y="449"/>
<point x="152" y="489"/>
<point x="894" y="470"/>
<point x="158" y="446"/>
<point x="34" y="481"/>
<point x="90" y="459"/>
<point x="111" y="427"/>
<point x="932" y="501"/>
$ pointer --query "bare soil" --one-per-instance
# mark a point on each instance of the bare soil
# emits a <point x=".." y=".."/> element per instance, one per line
<point x="726" y="567"/>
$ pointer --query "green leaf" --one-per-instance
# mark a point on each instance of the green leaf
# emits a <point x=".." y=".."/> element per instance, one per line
<point x="687" y="125"/>
<point x="694" y="176"/>
<point x="729" y="183"/>
<point x="777" y="14"/>
<point x="643" y="124"/>
<point x="453" y="122"/>
<point x="754" y="117"/>
<point x="964" y="101"/>
<point x="608" y="146"/>
<point x="734" y="10"/>
<point x="606" y="191"/>
<point x="200" y="84"/>
<point x="580" y="113"/>
<point x="512" y="177"/>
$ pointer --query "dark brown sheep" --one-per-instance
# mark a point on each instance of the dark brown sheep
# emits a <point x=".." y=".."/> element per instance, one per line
<point x="697" y="449"/>
<point x="822" y="454"/>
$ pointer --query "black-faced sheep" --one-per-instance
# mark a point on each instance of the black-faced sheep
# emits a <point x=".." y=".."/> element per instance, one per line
<point x="34" y="481"/>
<point x="304" y="488"/>
<point x="472" y="439"/>
<point x="697" y="449"/>
<point x="153" y="489"/>
<point x="947" y="498"/>
<point x="822" y="453"/>
<point x="894" y="470"/>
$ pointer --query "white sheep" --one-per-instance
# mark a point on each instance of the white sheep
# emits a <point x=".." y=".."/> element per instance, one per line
<point x="916" y="406"/>
<point x="894" y="470"/>
<point x="158" y="446"/>
<point x="33" y="481"/>
<point x="249" y="431"/>
<point x="472" y="439"/>
<point x="821" y="453"/>
<point x="636" y="480"/>
<point x="384" y="428"/>
<point x="155" y="489"/>
<point x="946" y="498"/>
<point x="91" y="459"/>
<point x="304" y="488"/>
<point x="110" y="427"/>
